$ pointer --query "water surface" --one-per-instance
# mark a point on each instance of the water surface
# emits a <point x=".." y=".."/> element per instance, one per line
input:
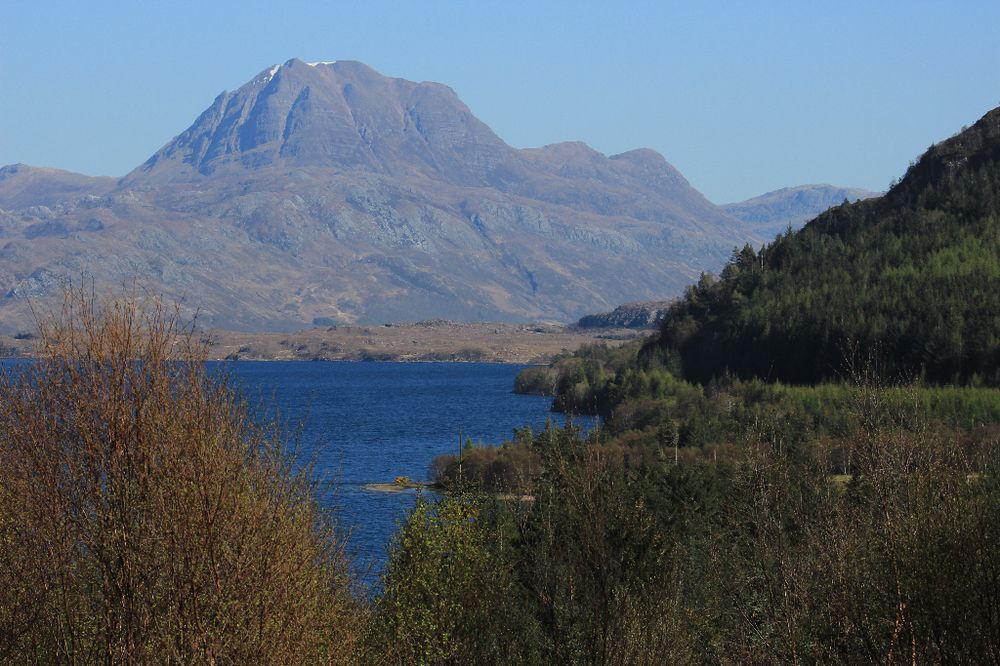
<point x="371" y="422"/>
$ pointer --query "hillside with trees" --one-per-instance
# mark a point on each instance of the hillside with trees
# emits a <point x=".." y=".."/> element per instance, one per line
<point x="801" y="467"/>
<point x="914" y="274"/>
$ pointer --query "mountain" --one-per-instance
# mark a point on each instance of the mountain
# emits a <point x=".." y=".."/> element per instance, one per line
<point x="773" y="213"/>
<point x="907" y="284"/>
<point x="23" y="186"/>
<point x="327" y="190"/>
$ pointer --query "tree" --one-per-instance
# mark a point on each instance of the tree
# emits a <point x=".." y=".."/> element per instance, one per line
<point x="146" y="516"/>
<point x="449" y="592"/>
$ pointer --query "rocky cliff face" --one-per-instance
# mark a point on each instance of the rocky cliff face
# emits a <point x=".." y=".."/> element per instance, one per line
<point x="628" y="315"/>
<point x="328" y="190"/>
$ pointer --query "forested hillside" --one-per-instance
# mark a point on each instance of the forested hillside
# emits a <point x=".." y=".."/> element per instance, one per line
<point x="913" y="275"/>
<point x="718" y="514"/>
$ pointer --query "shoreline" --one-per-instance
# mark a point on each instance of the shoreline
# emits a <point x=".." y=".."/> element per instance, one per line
<point x="437" y="342"/>
<point x="420" y="342"/>
<point x="421" y="486"/>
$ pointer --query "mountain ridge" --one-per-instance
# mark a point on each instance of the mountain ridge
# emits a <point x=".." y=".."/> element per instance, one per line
<point x="23" y="185"/>
<point x="772" y="213"/>
<point x="331" y="191"/>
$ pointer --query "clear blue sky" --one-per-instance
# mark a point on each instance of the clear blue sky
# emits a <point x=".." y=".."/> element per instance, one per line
<point x="742" y="97"/>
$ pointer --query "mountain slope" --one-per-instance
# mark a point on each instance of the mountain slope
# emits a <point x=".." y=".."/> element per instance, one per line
<point x="342" y="114"/>
<point x="909" y="281"/>
<point x="773" y="213"/>
<point x="328" y="190"/>
<point x="23" y="186"/>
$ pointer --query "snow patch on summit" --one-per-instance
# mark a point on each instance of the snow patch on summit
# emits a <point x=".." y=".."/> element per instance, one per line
<point x="266" y="77"/>
<point x="321" y="62"/>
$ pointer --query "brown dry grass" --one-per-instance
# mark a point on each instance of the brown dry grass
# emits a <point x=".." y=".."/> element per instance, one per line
<point x="424" y="341"/>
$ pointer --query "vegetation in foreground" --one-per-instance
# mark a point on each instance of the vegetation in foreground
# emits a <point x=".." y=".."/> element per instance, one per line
<point x="761" y="557"/>
<point x="145" y="517"/>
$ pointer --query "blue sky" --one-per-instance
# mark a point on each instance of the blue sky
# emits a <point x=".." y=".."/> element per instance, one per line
<point x="742" y="97"/>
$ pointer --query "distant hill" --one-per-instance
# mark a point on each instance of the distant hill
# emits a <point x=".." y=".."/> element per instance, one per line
<point x="329" y="191"/>
<point x="908" y="282"/>
<point x="23" y="186"/>
<point x="773" y="213"/>
<point x="645" y="314"/>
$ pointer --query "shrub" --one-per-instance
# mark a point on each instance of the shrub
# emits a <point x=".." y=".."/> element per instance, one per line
<point x="144" y="514"/>
<point x="450" y="594"/>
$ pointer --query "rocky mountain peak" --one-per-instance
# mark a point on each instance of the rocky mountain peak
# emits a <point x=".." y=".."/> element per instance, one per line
<point x="328" y="190"/>
<point x="340" y="114"/>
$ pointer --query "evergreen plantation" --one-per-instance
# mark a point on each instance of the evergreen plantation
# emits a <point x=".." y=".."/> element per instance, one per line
<point x="914" y="275"/>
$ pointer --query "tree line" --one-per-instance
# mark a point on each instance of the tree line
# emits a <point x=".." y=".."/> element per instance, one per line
<point x="915" y="274"/>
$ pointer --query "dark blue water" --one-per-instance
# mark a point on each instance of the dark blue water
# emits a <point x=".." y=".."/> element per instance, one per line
<point x="371" y="422"/>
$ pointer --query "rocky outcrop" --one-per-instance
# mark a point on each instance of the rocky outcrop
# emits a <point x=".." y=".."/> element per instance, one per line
<point x="630" y="315"/>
